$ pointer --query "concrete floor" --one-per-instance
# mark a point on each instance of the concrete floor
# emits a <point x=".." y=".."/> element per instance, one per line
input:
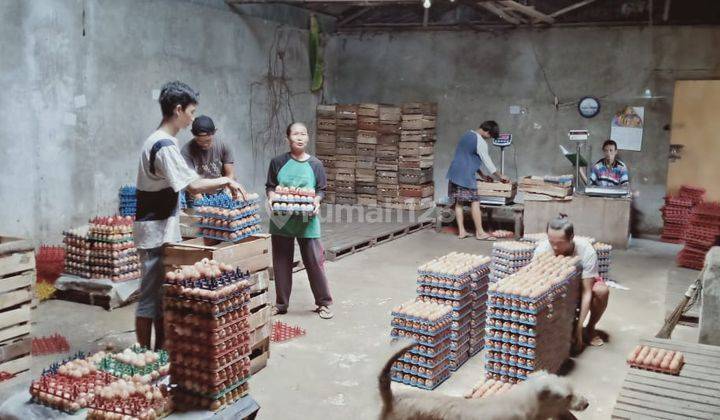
<point x="331" y="372"/>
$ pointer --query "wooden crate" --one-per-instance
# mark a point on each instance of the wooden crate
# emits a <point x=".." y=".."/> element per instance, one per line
<point x="413" y="149"/>
<point x="366" y="188"/>
<point x="539" y="186"/>
<point x="386" y="177"/>
<point x="251" y="254"/>
<point x="344" y="187"/>
<point x="429" y="108"/>
<point x="346" y="162"/>
<point x="259" y="299"/>
<point x="389" y="139"/>
<point x="17" y="280"/>
<point x="367" y="200"/>
<point x="368" y="123"/>
<point x="412" y="122"/>
<point x="389" y="129"/>
<point x="326" y="137"/>
<point x="368" y="110"/>
<point x="365" y="162"/>
<point x="327" y="160"/>
<point x="364" y="175"/>
<point x="261" y="333"/>
<point x="389" y="114"/>
<point x="415" y="176"/>
<point x="411" y="136"/>
<point x="326" y="124"/>
<point x="390" y="151"/>
<point x="386" y="167"/>
<point x="343" y="174"/>
<point x="367" y="137"/>
<point x="366" y="150"/>
<point x="429" y="122"/>
<point x="260" y="281"/>
<point x="419" y="191"/>
<point x="345" y="149"/>
<point x="345" y="198"/>
<point x="496" y="189"/>
<point x="326" y="110"/>
<point x="259" y="317"/>
<point x="330" y="174"/>
<point x="322" y="148"/>
<point x="260" y="353"/>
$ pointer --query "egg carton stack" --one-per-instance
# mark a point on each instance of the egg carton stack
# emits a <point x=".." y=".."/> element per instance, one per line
<point x="701" y="234"/>
<point x="509" y="257"/>
<point x="604" y="258"/>
<point x="129" y="400"/>
<point x="460" y="282"/>
<point x="292" y="200"/>
<point x="128" y="200"/>
<point x="113" y="254"/>
<point x="346" y="123"/>
<point x="426" y="365"/>
<point x="489" y="387"/>
<point x="367" y="140"/>
<point x="49" y="263"/>
<point x="77" y="252"/>
<point x="325" y="146"/>
<point x="530" y="319"/>
<point x="221" y="217"/>
<point x="387" y="155"/>
<point x="416" y="149"/>
<point x="208" y="334"/>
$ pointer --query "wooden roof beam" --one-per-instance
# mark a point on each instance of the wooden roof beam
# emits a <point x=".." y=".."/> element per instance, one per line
<point x="527" y="10"/>
<point x="502" y="14"/>
<point x="572" y="7"/>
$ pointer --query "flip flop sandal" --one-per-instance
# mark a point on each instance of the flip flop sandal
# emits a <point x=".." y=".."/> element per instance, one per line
<point x="276" y="311"/>
<point x="597" y="342"/>
<point x="324" y="312"/>
<point x="486" y="238"/>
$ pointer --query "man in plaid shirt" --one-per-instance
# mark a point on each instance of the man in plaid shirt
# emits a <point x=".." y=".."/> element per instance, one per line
<point x="609" y="171"/>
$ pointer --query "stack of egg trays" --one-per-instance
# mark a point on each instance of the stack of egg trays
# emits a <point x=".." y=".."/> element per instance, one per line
<point x="604" y="259"/>
<point x="513" y="351"/>
<point x="462" y="308"/>
<point x="480" y="283"/>
<point x="433" y="346"/>
<point x="506" y="263"/>
<point x="127" y="196"/>
<point x="225" y="202"/>
<point x="213" y="339"/>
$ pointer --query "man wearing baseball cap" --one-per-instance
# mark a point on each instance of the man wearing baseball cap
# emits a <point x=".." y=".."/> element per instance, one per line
<point x="208" y="156"/>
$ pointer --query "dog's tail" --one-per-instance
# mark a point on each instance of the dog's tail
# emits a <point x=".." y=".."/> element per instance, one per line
<point x="384" y="379"/>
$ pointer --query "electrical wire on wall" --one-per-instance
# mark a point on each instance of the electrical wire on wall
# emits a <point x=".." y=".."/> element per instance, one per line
<point x="273" y="91"/>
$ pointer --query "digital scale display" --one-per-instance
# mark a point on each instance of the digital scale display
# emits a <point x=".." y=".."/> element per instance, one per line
<point x="503" y="140"/>
<point x="579" y="135"/>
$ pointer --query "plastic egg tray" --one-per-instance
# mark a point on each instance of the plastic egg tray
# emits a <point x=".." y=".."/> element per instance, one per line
<point x="418" y="382"/>
<point x="233" y="226"/>
<point x="462" y="358"/>
<point x="217" y="234"/>
<point x="527" y="364"/>
<point x="444" y="293"/>
<point x="218" y="351"/>
<point x="117" y="368"/>
<point x="488" y="388"/>
<point x="510" y="338"/>
<point x="283" y="332"/>
<point x="513" y="350"/>
<point x="252" y="210"/>
<point x="205" y="308"/>
<point x="421" y="328"/>
<point x="212" y="382"/>
<point x="176" y="292"/>
<point x="431" y="351"/>
<point x="419" y="371"/>
<point x="423" y="339"/>
<point x="238" y="328"/>
<point x="635" y="363"/>
<point x="63" y="392"/>
<point x="461" y="284"/>
<point x="135" y="406"/>
<point x="515" y="328"/>
<point x="505" y="370"/>
<point x="216" y="363"/>
<point x="426" y="362"/>
<point x="456" y="305"/>
<point x="185" y="401"/>
<point x="214" y="395"/>
<point x="224" y="201"/>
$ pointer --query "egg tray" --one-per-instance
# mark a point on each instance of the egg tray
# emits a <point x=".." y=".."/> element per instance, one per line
<point x="511" y="340"/>
<point x="477" y="323"/>
<point x="118" y="368"/>
<point x="498" y="347"/>
<point x="413" y="380"/>
<point x="226" y="203"/>
<point x="510" y="257"/>
<point x="461" y="324"/>
<point x="238" y="239"/>
<point x="511" y="318"/>
<point x="231" y="325"/>
<point x="303" y="213"/>
<point x="438" y="359"/>
<point x="474" y="350"/>
<point x="217" y="336"/>
<point x="215" y="363"/>
<point x="242" y="215"/>
<point x="114" y="262"/>
<point x="420" y="330"/>
<point x="423" y="321"/>
<point x="431" y="351"/>
<point x="133" y="406"/>
<point x="240" y="344"/>
<point x="479" y="304"/>
<point x="217" y="379"/>
<point x="186" y="402"/>
<point x="77" y="273"/>
<point x="212" y="283"/>
<point x="212" y="312"/>
<point x="71" y="389"/>
<point x="230" y="229"/>
<point x="493" y="327"/>
<point x="433" y="373"/>
<point x="505" y="265"/>
<point x="243" y="294"/>
<point x="460" y="349"/>
<point x="509" y="363"/>
<point x="554" y="288"/>
<point x="304" y="199"/>
<point x="674" y="372"/>
<point x="449" y="276"/>
<point x="125" y="239"/>
<point x="105" y="271"/>
<point x="423" y="292"/>
<point x="506" y="372"/>
<point x="533" y="308"/>
<point x="503" y="271"/>
<point x="192" y="320"/>
<point x="433" y="282"/>
<point x="457" y="305"/>
<point x="214" y="395"/>
<point x="457" y="363"/>
<point x="422" y="339"/>
<point x="456" y="335"/>
<point x="108" y="246"/>
<point x="515" y="308"/>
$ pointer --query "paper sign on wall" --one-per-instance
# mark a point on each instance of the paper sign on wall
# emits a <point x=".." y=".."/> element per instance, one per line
<point x="627" y="128"/>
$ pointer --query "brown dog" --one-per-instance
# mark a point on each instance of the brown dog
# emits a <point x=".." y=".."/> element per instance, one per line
<point x="542" y="396"/>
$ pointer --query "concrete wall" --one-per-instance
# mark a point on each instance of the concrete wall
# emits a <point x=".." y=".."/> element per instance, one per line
<point x="477" y="76"/>
<point x="77" y="80"/>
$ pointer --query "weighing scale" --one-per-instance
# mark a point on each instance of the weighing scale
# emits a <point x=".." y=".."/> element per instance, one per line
<point x="502" y="141"/>
<point x="579" y="137"/>
<point x="598" y="191"/>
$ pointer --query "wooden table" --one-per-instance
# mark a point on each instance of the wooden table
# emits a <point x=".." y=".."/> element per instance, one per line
<point x="693" y="394"/>
<point x="605" y="219"/>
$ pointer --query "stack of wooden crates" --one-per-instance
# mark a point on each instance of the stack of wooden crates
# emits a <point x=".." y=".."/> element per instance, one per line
<point x="251" y="254"/>
<point x="17" y="282"/>
<point x="378" y="155"/>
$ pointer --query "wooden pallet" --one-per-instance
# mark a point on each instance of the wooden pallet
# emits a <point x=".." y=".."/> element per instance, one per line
<point x="260" y="353"/>
<point x="17" y="280"/>
<point x="336" y="252"/>
<point x="694" y="393"/>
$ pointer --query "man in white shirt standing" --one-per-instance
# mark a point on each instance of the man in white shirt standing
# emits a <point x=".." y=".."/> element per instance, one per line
<point x="594" y="293"/>
<point x="162" y="174"/>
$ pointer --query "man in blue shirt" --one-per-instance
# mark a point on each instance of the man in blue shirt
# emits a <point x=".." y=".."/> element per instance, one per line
<point x="609" y="171"/>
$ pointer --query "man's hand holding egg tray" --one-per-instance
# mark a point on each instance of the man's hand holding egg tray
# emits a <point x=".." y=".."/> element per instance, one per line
<point x="294" y="200"/>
